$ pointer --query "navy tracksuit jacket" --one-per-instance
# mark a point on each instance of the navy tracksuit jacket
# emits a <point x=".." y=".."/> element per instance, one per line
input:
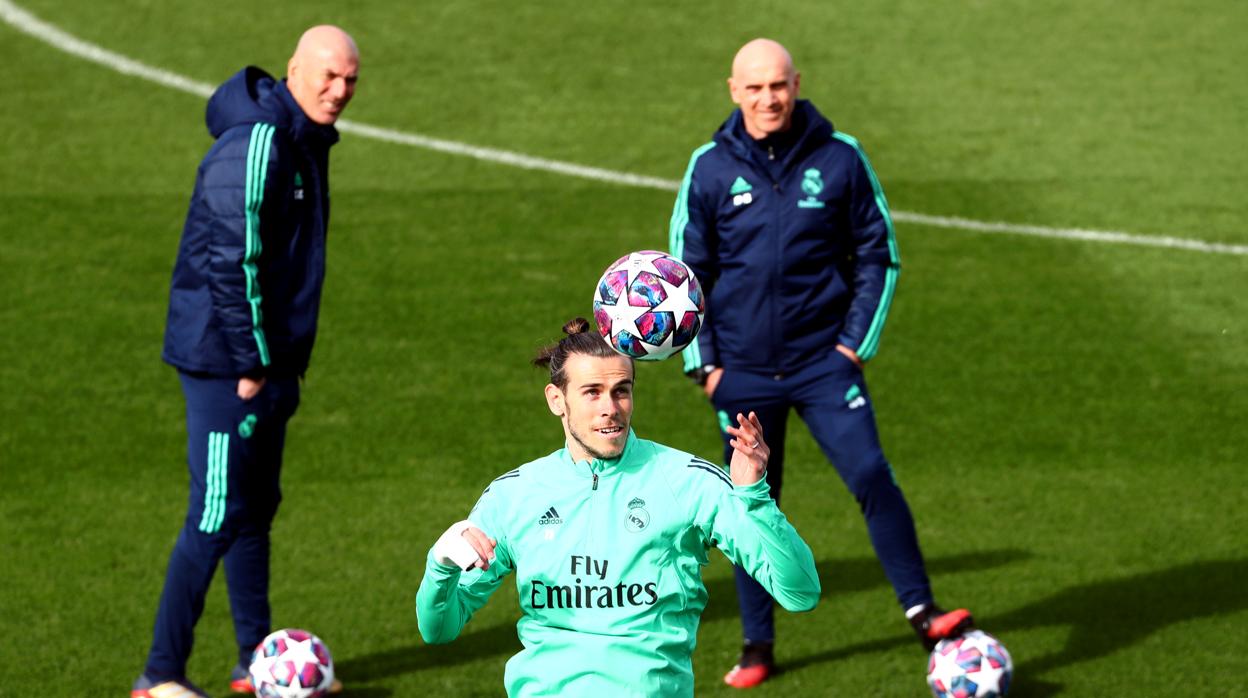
<point x="791" y="239"/>
<point x="243" y="301"/>
<point x="246" y="288"/>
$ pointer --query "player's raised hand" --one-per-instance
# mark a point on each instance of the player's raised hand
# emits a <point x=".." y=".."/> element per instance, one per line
<point x="465" y="546"/>
<point x="749" y="451"/>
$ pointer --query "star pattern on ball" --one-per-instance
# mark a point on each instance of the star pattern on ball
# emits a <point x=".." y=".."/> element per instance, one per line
<point x="623" y="316"/>
<point x="678" y="301"/>
<point x="988" y="678"/>
<point x="641" y="313"/>
<point x="300" y="652"/>
<point x="291" y="663"/>
<point x="975" y="665"/>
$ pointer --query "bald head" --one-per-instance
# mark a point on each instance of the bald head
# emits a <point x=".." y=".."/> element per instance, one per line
<point x="764" y="84"/>
<point x="762" y="53"/>
<point x="321" y="75"/>
<point x="326" y="37"/>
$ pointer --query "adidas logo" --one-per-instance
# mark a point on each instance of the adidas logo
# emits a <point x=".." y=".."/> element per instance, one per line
<point x="550" y="517"/>
<point x="854" y="397"/>
<point x="741" y="192"/>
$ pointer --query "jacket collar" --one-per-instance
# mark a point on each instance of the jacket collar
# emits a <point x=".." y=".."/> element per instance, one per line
<point x="602" y="466"/>
<point x="303" y="129"/>
<point x="814" y="130"/>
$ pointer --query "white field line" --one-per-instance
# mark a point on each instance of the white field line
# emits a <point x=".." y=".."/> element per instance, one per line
<point x="28" y="24"/>
<point x="1105" y="236"/>
<point x="505" y="157"/>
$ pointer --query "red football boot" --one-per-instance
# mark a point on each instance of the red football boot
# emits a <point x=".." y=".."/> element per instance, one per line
<point x="933" y="624"/>
<point x="754" y="667"/>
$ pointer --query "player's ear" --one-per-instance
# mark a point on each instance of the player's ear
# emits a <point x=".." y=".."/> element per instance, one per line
<point x="732" y="91"/>
<point x="554" y="400"/>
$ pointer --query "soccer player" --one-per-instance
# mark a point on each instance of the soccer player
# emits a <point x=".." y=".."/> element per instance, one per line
<point x="785" y="225"/>
<point x="607" y="537"/>
<point x="243" y="307"/>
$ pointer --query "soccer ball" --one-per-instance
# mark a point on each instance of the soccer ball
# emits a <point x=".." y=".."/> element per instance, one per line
<point x="648" y="305"/>
<point x="291" y="664"/>
<point x="973" y="665"/>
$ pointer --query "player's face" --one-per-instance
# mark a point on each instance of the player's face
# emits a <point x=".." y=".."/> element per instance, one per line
<point x="322" y="81"/>
<point x="766" y="91"/>
<point x="597" y="405"/>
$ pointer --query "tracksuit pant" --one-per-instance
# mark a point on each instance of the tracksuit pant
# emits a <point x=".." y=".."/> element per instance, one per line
<point x="234" y="453"/>
<point x="831" y="397"/>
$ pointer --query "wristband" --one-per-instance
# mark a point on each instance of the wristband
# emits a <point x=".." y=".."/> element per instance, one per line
<point x="700" y="374"/>
<point x="453" y="549"/>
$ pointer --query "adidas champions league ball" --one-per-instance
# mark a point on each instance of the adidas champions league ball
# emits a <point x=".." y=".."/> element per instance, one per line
<point x="648" y="305"/>
<point x="974" y="665"/>
<point x="291" y="664"/>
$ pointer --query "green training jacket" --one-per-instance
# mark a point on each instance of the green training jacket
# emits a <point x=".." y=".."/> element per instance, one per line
<point x="607" y="556"/>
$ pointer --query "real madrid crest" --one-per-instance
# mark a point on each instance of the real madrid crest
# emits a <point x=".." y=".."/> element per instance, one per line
<point x="638" y="518"/>
<point x="812" y="184"/>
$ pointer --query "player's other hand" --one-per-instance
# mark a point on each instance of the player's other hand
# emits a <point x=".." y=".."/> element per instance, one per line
<point x="749" y="451"/>
<point x="249" y="387"/>
<point x="712" y="381"/>
<point x="464" y="546"/>
<point x="850" y="354"/>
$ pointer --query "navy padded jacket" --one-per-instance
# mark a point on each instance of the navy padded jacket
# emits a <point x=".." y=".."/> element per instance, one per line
<point x="246" y="288"/>
<point x="791" y="266"/>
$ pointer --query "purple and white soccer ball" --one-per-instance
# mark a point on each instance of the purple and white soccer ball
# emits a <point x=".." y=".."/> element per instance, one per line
<point x="291" y="663"/>
<point x="648" y="305"/>
<point x="974" y="665"/>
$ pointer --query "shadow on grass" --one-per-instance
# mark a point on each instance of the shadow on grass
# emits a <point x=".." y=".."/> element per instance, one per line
<point x="1111" y="615"/>
<point x="860" y="574"/>
<point x="470" y="646"/>
<point x="1104" y="617"/>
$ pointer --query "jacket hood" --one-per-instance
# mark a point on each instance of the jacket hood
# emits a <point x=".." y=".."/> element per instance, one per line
<point x="252" y="95"/>
<point x="815" y="129"/>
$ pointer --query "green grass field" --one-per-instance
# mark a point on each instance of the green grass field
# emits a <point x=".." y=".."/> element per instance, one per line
<point x="1066" y="417"/>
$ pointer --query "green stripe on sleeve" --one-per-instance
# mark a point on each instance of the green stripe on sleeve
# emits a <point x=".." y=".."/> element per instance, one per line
<point x="680" y="212"/>
<point x="257" y="171"/>
<point x="692" y="355"/>
<point x="871" y="342"/>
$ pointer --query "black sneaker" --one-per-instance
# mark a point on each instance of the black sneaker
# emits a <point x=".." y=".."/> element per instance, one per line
<point x="934" y="624"/>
